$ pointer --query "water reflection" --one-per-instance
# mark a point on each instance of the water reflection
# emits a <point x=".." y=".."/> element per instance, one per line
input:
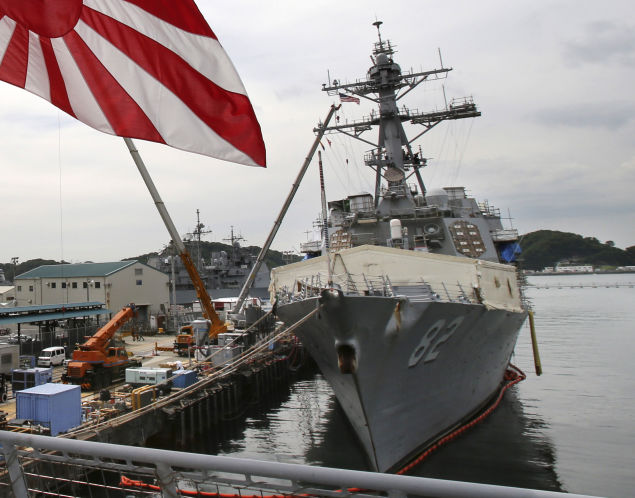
<point x="509" y="448"/>
<point x="570" y="429"/>
<point x="305" y="424"/>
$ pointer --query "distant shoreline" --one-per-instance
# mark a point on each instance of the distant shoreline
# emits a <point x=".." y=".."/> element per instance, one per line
<point x="553" y="273"/>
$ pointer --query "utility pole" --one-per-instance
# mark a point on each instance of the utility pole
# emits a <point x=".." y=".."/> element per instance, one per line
<point x="14" y="260"/>
<point x="174" y="311"/>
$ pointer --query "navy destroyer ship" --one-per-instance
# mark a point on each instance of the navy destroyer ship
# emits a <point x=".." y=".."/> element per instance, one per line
<point x="412" y="296"/>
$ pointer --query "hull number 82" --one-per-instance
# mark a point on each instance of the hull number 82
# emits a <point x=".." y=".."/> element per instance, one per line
<point x="432" y="341"/>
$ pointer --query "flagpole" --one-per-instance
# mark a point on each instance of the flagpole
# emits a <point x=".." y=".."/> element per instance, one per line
<point x="283" y="212"/>
<point x="154" y="193"/>
<point x="206" y="302"/>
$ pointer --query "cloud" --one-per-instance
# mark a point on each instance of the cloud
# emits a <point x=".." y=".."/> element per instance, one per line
<point x="554" y="143"/>
<point x="609" y="115"/>
<point x="603" y="42"/>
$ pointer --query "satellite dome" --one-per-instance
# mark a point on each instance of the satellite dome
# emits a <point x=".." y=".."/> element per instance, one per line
<point x="382" y="59"/>
<point x="437" y="197"/>
<point x="435" y="192"/>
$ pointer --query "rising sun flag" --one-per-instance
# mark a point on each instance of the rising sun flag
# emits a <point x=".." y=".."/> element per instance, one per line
<point x="148" y="69"/>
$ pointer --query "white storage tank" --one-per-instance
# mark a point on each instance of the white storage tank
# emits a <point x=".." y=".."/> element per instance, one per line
<point x="395" y="229"/>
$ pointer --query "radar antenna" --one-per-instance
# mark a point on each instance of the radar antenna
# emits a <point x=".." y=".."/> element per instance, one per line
<point x="377" y="24"/>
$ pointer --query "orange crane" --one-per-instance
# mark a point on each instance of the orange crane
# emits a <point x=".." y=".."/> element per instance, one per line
<point x="185" y="339"/>
<point x="94" y="364"/>
<point x="217" y="326"/>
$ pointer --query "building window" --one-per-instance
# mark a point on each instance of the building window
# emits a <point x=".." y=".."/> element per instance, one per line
<point x="138" y="271"/>
<point x="139" y="282"/>
<point x="74" y="285"/>
<point x="97" y="285"/>
<point x="84" y="285"/>
<point x="53" y="285"/>
<point x="19" y="288"/>
<point x="63" y="285"/>
<point x="30" y="288"/>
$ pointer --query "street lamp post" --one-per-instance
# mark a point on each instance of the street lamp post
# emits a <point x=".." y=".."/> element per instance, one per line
<point x="88" y="284"/>
<point x="14" y="260"/>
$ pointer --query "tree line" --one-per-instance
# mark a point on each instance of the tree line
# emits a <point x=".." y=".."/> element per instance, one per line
<point x="548" y="247"/>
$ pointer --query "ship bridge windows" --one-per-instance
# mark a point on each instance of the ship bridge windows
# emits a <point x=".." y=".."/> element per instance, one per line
<point x="361" y="203"/>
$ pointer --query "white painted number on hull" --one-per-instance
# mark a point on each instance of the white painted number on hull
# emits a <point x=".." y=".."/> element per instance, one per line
<point x="430" y="345"/>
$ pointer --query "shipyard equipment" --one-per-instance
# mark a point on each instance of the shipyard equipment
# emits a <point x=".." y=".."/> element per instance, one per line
<point x="95" y="364"/>
<point x="138" y="377"/>
<point x="9" y="358"/>
<point x="196" y="334"/>
<point x="186" y="339"/>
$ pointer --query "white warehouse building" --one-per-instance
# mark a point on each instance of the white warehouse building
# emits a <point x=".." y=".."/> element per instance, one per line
<point x="115" y="284"/>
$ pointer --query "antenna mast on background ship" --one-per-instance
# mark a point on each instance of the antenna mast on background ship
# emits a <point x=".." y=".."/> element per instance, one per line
<point x="198" y="231"/>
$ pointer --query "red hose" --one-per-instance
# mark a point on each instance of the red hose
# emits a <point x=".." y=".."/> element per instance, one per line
<point x="513" y="376"/>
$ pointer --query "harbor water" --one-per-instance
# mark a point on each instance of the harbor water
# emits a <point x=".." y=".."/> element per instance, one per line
<point x="571" y="429"/>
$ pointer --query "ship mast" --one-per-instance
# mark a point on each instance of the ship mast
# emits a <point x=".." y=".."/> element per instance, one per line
<point x="232" y="240"/>
<point x="392" y="156"/>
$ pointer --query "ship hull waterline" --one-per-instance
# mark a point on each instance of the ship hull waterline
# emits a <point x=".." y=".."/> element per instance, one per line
<point x="420" y="368"/>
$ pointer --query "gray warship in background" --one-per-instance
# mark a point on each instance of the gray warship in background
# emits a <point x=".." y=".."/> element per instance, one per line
<point x="417" y="297"/>
<point x="224" y="272"/>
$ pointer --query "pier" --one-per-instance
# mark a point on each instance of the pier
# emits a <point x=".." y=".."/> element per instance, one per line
<point x="582" y="286"/>
<point x="124" y="416"/>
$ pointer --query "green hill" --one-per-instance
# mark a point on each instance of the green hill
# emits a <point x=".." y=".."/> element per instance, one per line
<point x="25" y="266"/>
<point x="272" y="258"/>
<point x="548" y="247"/>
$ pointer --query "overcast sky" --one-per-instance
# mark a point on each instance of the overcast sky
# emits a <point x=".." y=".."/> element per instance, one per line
<point x="554" y="147"/>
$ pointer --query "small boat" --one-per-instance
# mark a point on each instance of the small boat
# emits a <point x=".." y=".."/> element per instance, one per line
<point x="411" y="299"/>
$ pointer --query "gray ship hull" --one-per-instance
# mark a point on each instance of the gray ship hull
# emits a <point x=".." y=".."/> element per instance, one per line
<point x="419" y="332"/>
<point x="420" y="368"/>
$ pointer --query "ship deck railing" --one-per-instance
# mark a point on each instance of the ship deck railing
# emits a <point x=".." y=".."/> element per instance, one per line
<point x="366" y="285"/>
<point x="37" y="465"/>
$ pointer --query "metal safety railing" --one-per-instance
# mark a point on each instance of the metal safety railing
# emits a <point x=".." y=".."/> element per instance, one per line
<point x="48" y="466"/>
<point x="376" y="285"/>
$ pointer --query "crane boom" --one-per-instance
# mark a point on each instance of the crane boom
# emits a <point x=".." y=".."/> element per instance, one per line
<point x="276" y="225"/>
<point x="100" y="340"/>
<point x="218" y="326"/>
<point x="206" y="302"/>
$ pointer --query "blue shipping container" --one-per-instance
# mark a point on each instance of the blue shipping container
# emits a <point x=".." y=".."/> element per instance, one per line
<point x="57" y="406"/>
<point x="184" y="378"/>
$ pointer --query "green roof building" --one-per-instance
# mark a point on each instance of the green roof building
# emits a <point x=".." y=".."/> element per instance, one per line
<point x="116" y="284"/>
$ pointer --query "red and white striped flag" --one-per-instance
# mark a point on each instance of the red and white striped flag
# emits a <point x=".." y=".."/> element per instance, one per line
<point x="149" y="69"/>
